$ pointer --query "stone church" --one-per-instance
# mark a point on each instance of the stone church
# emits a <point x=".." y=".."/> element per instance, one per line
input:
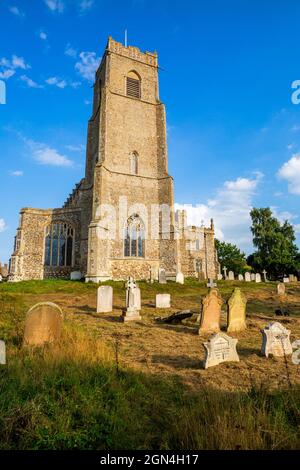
<point x="119" y="220"/>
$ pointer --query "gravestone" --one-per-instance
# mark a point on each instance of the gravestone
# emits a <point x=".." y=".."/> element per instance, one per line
<point x="281" y="288"/>
<point x="1" y="279"/>
<point x="211" y="312"/>
<point x="257" y="277"/>
<point x="241" y="277"/>
<point x="211" y="284"/>
<point x="162" y="276"/>
<point x="104" y="299"/>
<point x="237" y="311"/>
<point x="2" y="353"/>
<point x="225" y="272"/>
<point x="252" y="276"/>
<point x="247" y="277"/>
<point x="180" y="278"/>
<point x="219" y="277"/>
<point x="286" y="280"/>
<point x="276" y="340"/>
<point x="133" y="302"/>
<point x="43" y="324"/>
<point x="163" y="301"/>
<point x="231" y="276"/>
<point x="265" y="275"/>
<point x="291" y="277"/>
<point x="220" y="348"/>
<point x="76" y="276"/>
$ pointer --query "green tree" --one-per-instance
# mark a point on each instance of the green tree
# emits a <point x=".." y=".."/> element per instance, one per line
<point x="231" y="256"/>
<point x="274" y="242"/>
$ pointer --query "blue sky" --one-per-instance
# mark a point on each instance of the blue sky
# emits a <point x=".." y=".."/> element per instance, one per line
<point x="226" y="74"/>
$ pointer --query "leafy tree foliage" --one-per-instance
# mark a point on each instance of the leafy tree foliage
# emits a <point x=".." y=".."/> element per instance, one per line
<point x="274" y="242"/>
<point x="231" y="256"/>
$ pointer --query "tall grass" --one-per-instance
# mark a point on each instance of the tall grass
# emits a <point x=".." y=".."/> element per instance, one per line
<point x="69" y="396"/>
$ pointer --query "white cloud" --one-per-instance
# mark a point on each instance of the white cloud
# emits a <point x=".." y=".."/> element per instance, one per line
<point x="295" y="128"/>
<point x="16" y="11"/>
<point x="55" y="5"/>
<point x="46" y="155"/>
<point x="7" y="74"/>
<point x="230" y="209"/>
<point x="29" y="82"/>
<point x="70" y="51"/>
<point x="290" y="172"/>
<point x="43" y="35"/>
<point x="75" y="148"/>
<point x="56" y="82"/>
<point x="87" y="65"/>
<point x="85" y="5"/>
<point x="16" y="173"/>
<point x="2" y="225"/>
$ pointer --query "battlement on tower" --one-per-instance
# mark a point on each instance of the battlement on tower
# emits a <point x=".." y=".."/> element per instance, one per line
<point x="149" y="58"/>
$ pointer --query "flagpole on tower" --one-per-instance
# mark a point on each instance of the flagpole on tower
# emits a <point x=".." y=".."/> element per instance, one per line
<point x="125" y="37"/>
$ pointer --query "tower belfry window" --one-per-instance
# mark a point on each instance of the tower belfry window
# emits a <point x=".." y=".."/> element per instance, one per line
<point x="133" y="85"/>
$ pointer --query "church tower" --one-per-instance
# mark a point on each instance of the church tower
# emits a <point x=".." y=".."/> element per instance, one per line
<point x="132" y="227"/>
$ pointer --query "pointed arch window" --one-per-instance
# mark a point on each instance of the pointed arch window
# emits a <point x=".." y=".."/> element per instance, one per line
<point x="134" y="238"/>
<point x="59" y="245"/>
<point x="133" y="85"/>
<point x="134" y="163"/>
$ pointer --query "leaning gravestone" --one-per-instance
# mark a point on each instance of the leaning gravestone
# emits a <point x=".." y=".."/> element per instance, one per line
<point x="276" y="340"/>
<point x="162" y="276"/>
<point x="211" y="312"/>
<point x="104" y="299"/>
<point x="180" y="278"/>
<point x="43" y="324"/>
<point x="220" y="348"/>
<point x="257" y="277"/>
<point x="241" y="277"/>
<point x="237" y="311"/>
<point x="2" y="353"/>
<point x="231" y="276"/>
<point x="281" y="288"/>
<point x="163" y="301"/>
<point x="247" y="277"/>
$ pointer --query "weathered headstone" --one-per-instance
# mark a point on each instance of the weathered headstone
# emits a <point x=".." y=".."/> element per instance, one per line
<point x="257" y="277"/>
<point x="286" y="280"/>
<point x="43" y="324"/>
<point x="163" y="301"/>
<point x="291" y="277"/>
<point x="237" y="311"/>
<point x="219" y="277"/>
<point x="180" y="278"/>
<point x="241" y="277"/>
<point x="220" y="348"/>
<point x="162" y="276"/>
<point x="104" y="299"/>
<point x="2" y="353"/>
<point x="133" y="302"/>
<point x="276" y="340"/>
<point x="281" y="288"/>
<point x="231" y="276"/>
<point x="247" y="277"/>
<point x="76" y="276"/>
<point x="211" y="312"/>
<point x="252" y="277"/>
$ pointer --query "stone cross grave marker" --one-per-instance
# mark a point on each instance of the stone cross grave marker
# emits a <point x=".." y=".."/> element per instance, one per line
<point x="211" y="312"/>
<point x="220" y="348"/>
<point x="237" y="311"/>
<point x="211" y="284"/>
<point x="276" y="340"/>
<point x="2" y="353"/>
<point x="105" y="299"/>
<point x="163" y="301"/>
<point x="43" y="324"/>
<point x="225" y="272"/>
<point x="133" y="302"/>
<point x="265" y="275"/>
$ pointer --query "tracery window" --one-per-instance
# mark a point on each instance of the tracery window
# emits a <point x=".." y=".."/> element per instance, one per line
<point x="134" y="238"/>
<point x="59" y="245"/>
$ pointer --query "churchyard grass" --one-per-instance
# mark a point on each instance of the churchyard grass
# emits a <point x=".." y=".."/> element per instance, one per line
<point x="152" y="394"/>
